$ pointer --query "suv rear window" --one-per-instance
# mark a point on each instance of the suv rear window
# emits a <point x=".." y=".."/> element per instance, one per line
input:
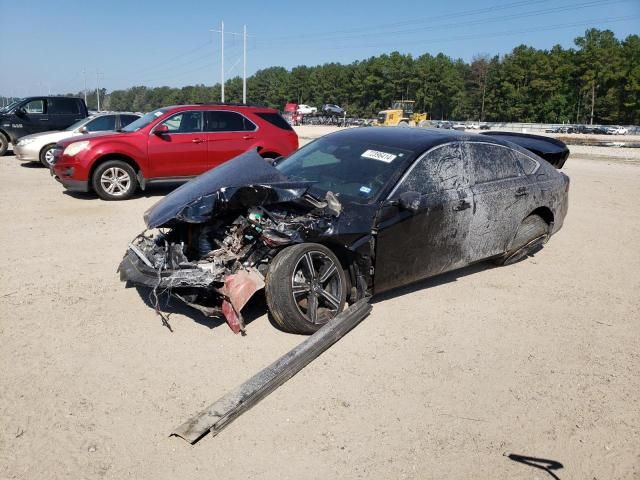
<point x="275" y="119"/>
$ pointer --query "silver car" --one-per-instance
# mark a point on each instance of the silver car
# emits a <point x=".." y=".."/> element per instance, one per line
<point x="38" y="147"/>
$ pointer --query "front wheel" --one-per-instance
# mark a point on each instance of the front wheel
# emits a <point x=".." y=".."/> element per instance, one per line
<point x="46" y="155"/>
<point x="305" y="287"/>
<point x="114" y="180"/>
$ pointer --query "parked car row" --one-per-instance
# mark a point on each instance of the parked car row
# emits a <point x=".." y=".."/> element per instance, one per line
<point x="592" y="129"/>
<point x="38" y="147"/>
<point x="352" y="214"/>
<point x="295" y="113"/>
<point x="115" y="154"/>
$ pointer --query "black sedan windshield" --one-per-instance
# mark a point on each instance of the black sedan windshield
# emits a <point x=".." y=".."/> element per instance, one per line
<point x="346" y="167"/>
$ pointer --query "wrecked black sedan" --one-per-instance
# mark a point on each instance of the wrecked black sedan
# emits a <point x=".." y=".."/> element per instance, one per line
<point x="351" y="214"/>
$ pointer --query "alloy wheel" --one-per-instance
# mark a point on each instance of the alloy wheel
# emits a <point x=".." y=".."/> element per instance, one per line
<point x="316" y="287"/>
<point x="48" y="156"/>
<point x="115" y="181"/>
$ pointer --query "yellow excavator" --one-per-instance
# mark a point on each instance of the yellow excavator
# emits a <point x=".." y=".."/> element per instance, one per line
<point x="402" y="114"/>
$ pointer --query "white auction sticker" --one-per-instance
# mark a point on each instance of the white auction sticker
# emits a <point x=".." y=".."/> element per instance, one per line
<point x="382" y="156"/>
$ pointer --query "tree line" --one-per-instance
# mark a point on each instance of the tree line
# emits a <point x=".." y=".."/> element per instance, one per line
<point x="596" y="81"/>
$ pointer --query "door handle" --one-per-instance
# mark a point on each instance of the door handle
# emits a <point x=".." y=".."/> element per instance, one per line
<point x="462" y="205"/>
<point x="248" y="137"/>
<point x="521" y="191"/>
<point x="44" y="119"/>
<point x="197" y="140"/>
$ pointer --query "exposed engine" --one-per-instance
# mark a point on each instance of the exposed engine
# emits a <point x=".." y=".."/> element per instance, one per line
<point x="220" y="264"/>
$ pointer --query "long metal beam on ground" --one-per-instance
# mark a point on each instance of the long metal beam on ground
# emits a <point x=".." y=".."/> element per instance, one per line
<point x="222" y="412"/>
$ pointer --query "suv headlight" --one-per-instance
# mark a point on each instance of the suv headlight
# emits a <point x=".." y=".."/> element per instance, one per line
<point x="25" y="141"/>
<point x="75" y="148"/>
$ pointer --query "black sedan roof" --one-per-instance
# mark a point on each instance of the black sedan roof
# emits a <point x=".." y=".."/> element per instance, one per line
<point x="420" y="140"/>
<point x="415" y="139"/>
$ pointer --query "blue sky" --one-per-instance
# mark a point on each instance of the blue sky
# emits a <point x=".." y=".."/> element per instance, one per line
<point x="47" y="44"/>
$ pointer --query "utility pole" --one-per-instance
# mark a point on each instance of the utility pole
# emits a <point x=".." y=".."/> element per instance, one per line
<point x="593" y="97"/>
<point x="222" y="61"/>
<point x="221" y="32"/>
<point x="98" y="87"/>
<point x="244" y="69"/>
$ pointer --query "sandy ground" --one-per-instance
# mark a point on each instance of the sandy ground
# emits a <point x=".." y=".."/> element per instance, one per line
<point x="445" y="379"/>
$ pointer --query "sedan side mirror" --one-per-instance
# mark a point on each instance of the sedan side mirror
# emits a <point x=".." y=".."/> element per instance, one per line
<point x="83" y="129"/>
<point x="410" y="201"/>
<point x="161" y="130"/>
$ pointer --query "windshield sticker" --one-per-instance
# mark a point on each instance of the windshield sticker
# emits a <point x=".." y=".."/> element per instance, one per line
<point x="364" y="189"/>
<point x="382" y="156"/>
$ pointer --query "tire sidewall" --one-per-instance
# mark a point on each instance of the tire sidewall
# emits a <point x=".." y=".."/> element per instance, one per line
<point x="43" y="154"/>
<point x="97" y="186"/>
<point x="282" y="308"/>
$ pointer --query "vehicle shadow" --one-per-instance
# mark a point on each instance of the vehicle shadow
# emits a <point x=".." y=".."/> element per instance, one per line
<point x="35" y="165"/>
<point x="541" y="463"/>
<point x="168" y="305"/>
<point x="434" y="281"/>
<point x="150" y="192"/>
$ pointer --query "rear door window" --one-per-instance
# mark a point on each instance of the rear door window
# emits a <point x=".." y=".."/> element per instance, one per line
<point x="63" y="106"/>
<point x="101" y="124"/>
<point x="491" y="162"/>
<point x="440" y="169"/>
<point x="225" y="121"/>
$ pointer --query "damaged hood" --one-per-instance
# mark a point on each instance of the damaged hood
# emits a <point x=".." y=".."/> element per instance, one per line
<point x="245" y="181"/>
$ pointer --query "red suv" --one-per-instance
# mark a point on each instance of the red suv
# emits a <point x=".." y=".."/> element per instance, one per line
<point x="168" y="145"/>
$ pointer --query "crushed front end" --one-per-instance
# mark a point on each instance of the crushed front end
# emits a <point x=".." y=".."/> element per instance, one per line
<point x="218" y="264"/>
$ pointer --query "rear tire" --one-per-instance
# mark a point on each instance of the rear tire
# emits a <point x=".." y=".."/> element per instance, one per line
<point x="114" y="180"/>
<point x="532" y="233"/>
<point x="305" y="287"/>
<point x="4" y="144"/>
<point x="46" y="155"/>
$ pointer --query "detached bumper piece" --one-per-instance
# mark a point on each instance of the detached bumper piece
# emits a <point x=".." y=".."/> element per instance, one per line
<point x="221" y="413"/>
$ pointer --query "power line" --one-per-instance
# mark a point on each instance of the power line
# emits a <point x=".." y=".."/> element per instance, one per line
<point x="540" y="12"/>
<point x="181" y="55"/>
<point x="500" y="34"/>
<point x="463" y="13"/>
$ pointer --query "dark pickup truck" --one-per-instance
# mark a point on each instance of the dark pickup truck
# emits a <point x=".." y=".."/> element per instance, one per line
<point x="38" y="114"/>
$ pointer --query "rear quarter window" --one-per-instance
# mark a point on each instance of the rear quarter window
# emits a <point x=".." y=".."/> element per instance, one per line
<point x="490" y="162"/>
<point x="275" y="119"/>
<point x="528" y="164"/>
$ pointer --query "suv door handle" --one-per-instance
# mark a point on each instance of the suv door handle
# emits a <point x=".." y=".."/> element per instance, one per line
<point x="462" y="205"/>
<point x="197" y="140"/>
<point x="521" y="191"/>
<point x="248" y="137"/>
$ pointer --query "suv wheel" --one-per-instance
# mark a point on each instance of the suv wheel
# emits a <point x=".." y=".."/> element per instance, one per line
<point x="46" y="155"/>
<point x="4" y="144"/>
<point x="114" y="180"/>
